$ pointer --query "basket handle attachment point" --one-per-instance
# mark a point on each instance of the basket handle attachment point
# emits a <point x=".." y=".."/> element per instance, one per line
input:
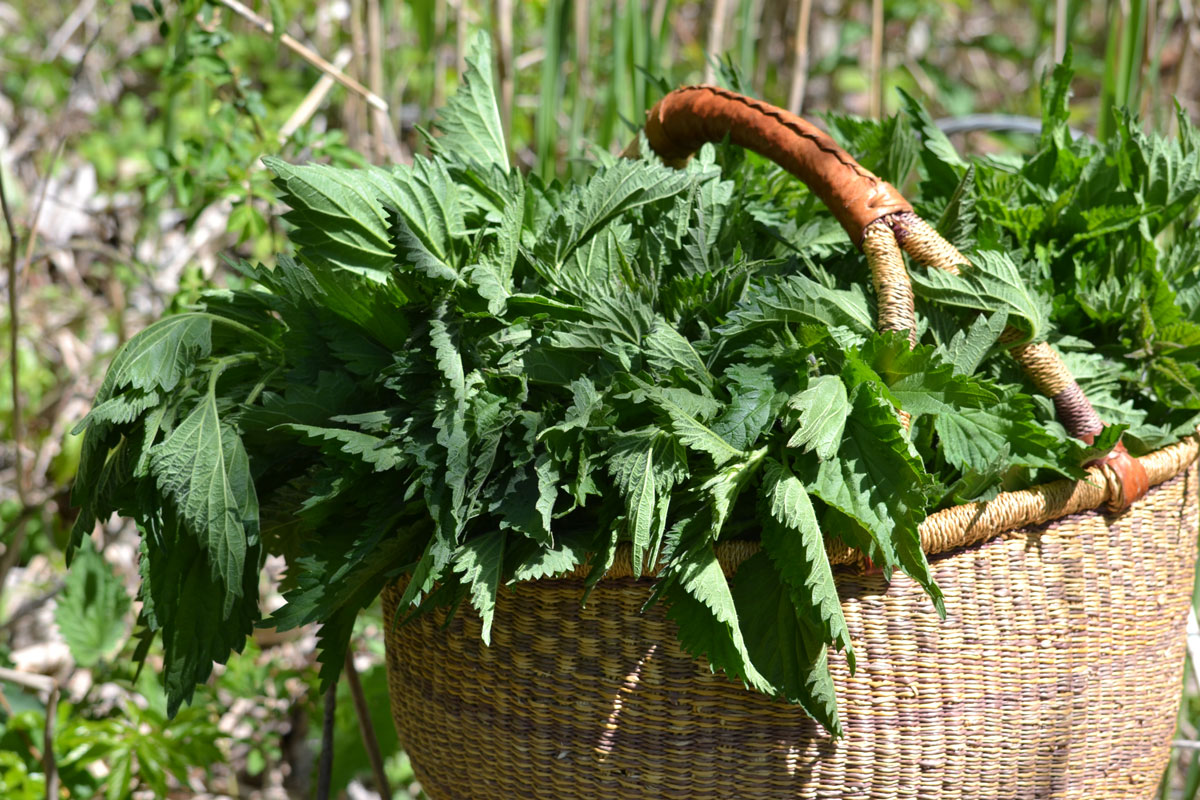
<point x="883" y="225"/>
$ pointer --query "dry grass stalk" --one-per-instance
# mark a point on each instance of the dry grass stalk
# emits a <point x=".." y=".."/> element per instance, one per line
<point x="366" y="728"/>
<point x="307" y="54"/>
<point x="379" y="117"/>
<point x="716" y="39"/>
<point x="875" y="91"/>
<point x="312" y="101"/>
<point x="503" y="11"/>
<point x="800" y="63"/>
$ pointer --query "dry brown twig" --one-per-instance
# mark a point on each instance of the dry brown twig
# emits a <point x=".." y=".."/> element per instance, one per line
<point x="365" y="727"/>
<point x="42" y="683"/>
<point x="14" y="326"/>
<point x="504" y="58"/>
<point x="307" y="53"/>
<point x="325" y="764"/>
<point x="875" y="96"/>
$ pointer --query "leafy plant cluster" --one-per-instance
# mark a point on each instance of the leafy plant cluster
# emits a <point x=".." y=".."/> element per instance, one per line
<point x="473" y="377"/>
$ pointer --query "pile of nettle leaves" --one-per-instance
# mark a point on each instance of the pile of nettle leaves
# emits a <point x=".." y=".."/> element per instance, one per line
<point x="473" y="378"/>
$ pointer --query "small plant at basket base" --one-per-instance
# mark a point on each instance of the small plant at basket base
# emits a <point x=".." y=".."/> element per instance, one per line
<point x="471" y="377"/>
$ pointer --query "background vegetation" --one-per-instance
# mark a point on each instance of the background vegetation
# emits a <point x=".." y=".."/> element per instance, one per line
<point x="131" y="137"/>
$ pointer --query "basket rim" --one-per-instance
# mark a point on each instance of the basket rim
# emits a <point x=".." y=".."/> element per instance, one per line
<point x="972" y="523"/>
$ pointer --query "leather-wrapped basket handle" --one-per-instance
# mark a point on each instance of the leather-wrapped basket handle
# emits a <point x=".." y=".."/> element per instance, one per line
<point x="881" y="223"/>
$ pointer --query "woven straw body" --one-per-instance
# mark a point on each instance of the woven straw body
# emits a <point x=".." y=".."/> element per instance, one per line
<point x="1056" y="675"/>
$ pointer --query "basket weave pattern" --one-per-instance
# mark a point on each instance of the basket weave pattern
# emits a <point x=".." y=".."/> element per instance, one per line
<point x="1056" y="675"/>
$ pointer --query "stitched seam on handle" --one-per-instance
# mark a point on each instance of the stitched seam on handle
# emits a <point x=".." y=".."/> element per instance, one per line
<point x="776" y="114"/>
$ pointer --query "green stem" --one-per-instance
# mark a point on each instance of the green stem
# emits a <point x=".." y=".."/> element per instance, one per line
<point x="236" y="326"/>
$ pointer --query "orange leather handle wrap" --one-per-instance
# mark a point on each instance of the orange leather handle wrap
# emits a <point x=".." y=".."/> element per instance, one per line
<point x="687" y="118"/>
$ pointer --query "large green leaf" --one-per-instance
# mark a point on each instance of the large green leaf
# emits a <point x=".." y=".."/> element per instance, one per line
<point x="823" y="408"/>
<point x="470" y="122"/>
<point x="787" y="653"/>
<point x="992" y="284"/>
<point x="973" y="439"/>
<point x="339" y="215"/>
<point x="645" y="466"/>
<point x="793" y="539"/>
<point x="91" y="611"/>
<point x="480" y="560"/>
<point x="878" y="481"/>
<point x="427" y="219"/>
<point x="920" y="380"/>
<point x="203" y="469"/>
<point x="702" y="605"/>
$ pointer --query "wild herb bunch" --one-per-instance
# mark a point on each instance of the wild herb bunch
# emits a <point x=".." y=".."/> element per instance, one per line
<point x="470" y="377"/>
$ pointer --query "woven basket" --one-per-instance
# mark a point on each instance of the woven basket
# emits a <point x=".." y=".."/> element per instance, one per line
<point x="1055" y="675"/>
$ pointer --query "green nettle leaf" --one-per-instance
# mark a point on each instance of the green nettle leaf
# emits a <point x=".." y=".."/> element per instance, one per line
<point x="470" y="122"/>
<point x="967" y="350"/>
<point x="371" y="449"/>
<point x="823" y="408"/>
<point x="975" y="439"/>
<point x="612" y="191"/>
<point x="120" y="410"/>
<point x="479" y="561"/>
<point x="645" y="466"/>
<point x="202" y="467"/>
<point x="702" y="605"/>
<point x="879" y="482"/>
<point x="797" y="299"/>
<point x="339" y="216"/>
<point x="919" y="380"/>
<point x="957" y="223"/>
<point x="991" y="284"/>
<point x="787" y="653"/>
<point x="91" y="609"/>
<point x="161" y="356"/>
<point x="793" y="539"/>
<point x="666" y="349"/>
<point x="695" y="434"/>
<point x="755" y="405"/>
<point x="427" y="219"/>
<point x="492" y="276"/>
<point x="451" y="426"/>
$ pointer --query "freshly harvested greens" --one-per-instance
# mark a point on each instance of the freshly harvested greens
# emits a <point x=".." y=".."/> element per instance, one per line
<point x="471" y="377"/>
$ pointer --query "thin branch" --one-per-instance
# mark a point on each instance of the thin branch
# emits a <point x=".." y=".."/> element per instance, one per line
<point x="14" y="325"/>
<point x="355" y="111"/>
<point x="67" y="30"/>
<point x="59" y="147"/>
<point x="42" y="683"/>
<point x="366" y="728"/>
<point x="1060" y="30"/>
<point x="307" y="54"/>
<point x="325" y="765"/>
<point x="48" y="762"/>
<point x="31" y="605"/>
